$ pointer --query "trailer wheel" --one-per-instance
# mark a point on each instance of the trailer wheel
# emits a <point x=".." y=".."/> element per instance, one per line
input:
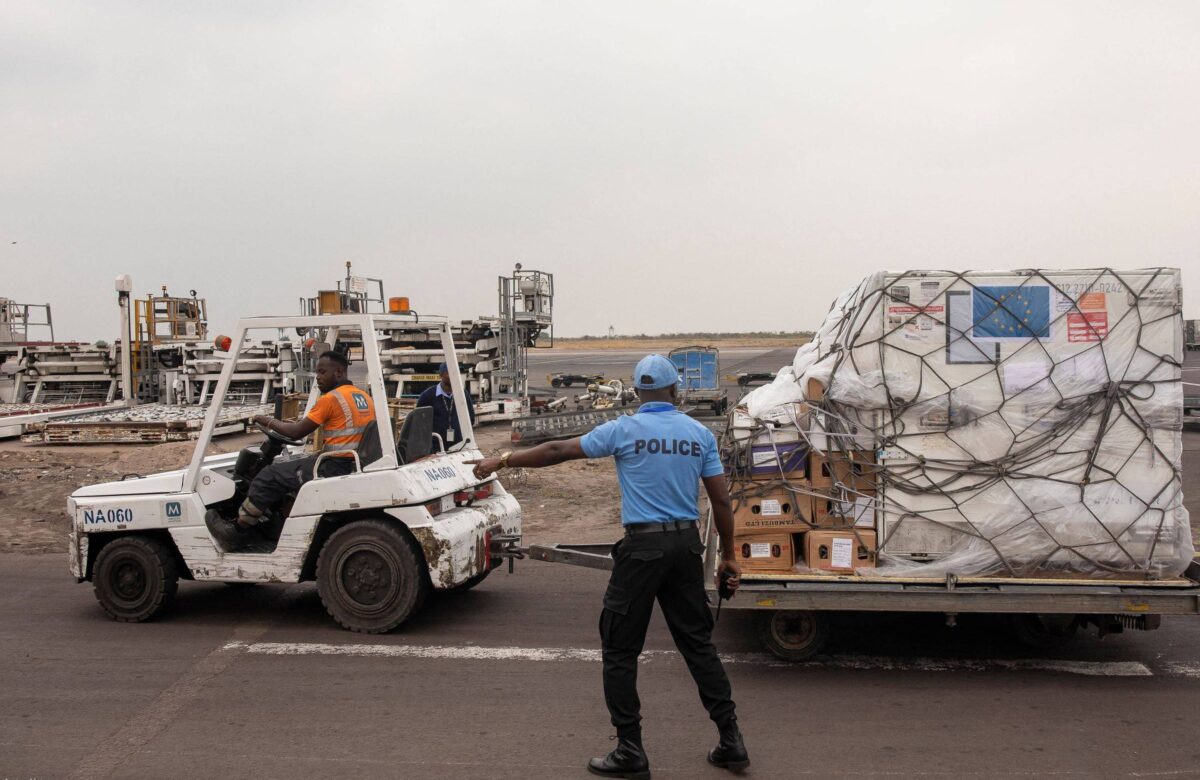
<point x="794" y="635"/>
<point x="135" y="578"/>
<point x="556" y="382"/>
<point x="371" y="577"/>
<point x="566" y="383"/>
<point x="1044" y="632"/>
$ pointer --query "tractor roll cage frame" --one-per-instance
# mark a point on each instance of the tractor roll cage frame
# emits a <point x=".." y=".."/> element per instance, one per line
<point x="368" y="326"/>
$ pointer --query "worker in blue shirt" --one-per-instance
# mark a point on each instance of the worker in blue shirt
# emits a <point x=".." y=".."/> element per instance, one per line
<point x="662" y="455"/>
<point x="445" y="420"/>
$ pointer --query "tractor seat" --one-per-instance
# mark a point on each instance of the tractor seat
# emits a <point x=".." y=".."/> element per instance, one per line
<point x="416" y="435"/>
<point x="369" y="449"/>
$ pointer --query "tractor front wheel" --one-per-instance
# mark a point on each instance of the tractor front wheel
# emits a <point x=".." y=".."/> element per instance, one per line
<point x="135" y="578"/>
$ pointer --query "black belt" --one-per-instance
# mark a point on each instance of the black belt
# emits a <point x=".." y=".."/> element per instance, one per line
<point x="659" y="527"/>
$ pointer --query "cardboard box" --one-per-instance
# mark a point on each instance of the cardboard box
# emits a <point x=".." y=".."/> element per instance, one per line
<point x="765" y="462"/>
<point x="777" y="509"/>
<point x="840" y="551"/>
<point x="855" y="469"/>
<point x="765" y="552"/>
<point x="844" y="511"/>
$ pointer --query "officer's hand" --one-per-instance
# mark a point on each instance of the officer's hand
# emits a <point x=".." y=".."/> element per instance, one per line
<point x="485" y="467"/>
<point x="735" y="575"/>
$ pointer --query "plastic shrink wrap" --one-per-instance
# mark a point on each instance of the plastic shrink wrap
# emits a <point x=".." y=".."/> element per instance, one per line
<point x="1024" y="423"/>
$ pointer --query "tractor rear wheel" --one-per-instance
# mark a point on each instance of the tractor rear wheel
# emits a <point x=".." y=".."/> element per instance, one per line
<point x="135" y="578"/>
<point x="371" y="577"/>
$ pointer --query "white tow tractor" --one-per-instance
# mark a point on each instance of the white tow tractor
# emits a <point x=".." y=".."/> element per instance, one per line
<point x="407" y="520"/>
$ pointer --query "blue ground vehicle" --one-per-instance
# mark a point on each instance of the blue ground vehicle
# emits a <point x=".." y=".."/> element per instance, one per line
<point x="699" y="378"/>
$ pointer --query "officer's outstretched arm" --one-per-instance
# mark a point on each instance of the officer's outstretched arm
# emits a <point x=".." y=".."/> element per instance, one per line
<point x="549" y="454"/>
<point x="718" y="498"/>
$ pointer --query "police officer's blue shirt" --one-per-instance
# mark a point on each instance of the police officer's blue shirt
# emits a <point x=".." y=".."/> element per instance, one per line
<point x="661" y="455"/>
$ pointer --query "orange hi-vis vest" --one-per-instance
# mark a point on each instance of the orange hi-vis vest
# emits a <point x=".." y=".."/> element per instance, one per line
<point x="344" y="412"/>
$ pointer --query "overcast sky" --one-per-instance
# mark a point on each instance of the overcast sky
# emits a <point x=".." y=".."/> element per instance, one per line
<point x="677" y="166"/>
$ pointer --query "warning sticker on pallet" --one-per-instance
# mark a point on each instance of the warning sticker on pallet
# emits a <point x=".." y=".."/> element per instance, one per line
<point x="1087" y="326"/>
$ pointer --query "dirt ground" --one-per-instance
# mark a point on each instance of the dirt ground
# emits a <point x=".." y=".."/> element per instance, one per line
<point x="652" y="344"/>
<point x="576" y="501"/>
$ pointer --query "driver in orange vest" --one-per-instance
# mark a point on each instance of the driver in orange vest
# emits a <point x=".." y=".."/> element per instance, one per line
<point x="343" y="412"/>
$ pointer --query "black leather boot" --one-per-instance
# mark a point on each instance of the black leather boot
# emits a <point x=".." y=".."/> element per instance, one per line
<point x="730" y="752"/>
<point x="230" y="536"/>
<point x="628" y="760"/>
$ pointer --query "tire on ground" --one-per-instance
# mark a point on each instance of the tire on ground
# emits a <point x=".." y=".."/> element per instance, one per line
<point x="793" y="635"/>
<point x="135" y="578"/>
<point x="371" y="577"/>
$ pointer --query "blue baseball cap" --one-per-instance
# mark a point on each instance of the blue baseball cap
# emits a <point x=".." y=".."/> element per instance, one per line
<point x="443" y="368"/>
<point x="653" y="372"/>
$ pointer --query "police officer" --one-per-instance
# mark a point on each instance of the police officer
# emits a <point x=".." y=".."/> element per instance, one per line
<point x="661" y="455"/>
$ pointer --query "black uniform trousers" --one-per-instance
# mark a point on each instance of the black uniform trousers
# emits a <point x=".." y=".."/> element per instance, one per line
<point x="283" y="478"/>
<point x="667" y="566"/>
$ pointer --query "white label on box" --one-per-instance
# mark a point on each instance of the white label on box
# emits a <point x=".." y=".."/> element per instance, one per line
<point x="770" y="507"/>
<point x="760" y="550"/>
<point x="843" y="554"/>
<point x="764" y="458"/>
<point x="864" y="512"/>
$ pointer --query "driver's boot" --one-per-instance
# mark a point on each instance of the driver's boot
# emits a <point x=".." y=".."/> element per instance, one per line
<point x="230" y="534"/>
<point x="628" y="760"/>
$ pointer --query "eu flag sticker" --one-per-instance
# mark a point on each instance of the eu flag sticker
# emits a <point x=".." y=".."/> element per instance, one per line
<point x="1003" y="312"/>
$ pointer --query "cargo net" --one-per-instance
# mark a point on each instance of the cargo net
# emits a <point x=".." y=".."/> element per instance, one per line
<point x="1018" y="424"/>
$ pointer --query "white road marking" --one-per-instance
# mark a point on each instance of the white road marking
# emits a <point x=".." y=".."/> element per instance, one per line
<point x="1183" y="670"/>
<point x="592" y="655"/>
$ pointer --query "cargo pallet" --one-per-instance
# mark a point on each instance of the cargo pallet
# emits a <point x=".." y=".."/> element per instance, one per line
<point x="177" y="424"/>
<point x="538" y="428"/>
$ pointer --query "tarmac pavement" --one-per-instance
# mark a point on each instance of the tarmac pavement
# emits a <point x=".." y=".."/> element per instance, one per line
<point x="504" y="681"/>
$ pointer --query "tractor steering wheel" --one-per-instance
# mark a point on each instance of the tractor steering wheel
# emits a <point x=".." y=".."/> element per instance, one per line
<point x="279" y="437"/>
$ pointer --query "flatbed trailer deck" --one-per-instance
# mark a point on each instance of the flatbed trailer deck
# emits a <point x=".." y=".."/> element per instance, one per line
<point x="794" y="607"/>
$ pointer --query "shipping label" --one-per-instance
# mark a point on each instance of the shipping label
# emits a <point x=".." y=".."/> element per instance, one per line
<point x="842" y="556"/>
<point x="770" y="508"/>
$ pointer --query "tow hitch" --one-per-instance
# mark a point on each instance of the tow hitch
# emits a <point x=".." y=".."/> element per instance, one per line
<point x="507" y="546"/>
<point x="591" y="556"/>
